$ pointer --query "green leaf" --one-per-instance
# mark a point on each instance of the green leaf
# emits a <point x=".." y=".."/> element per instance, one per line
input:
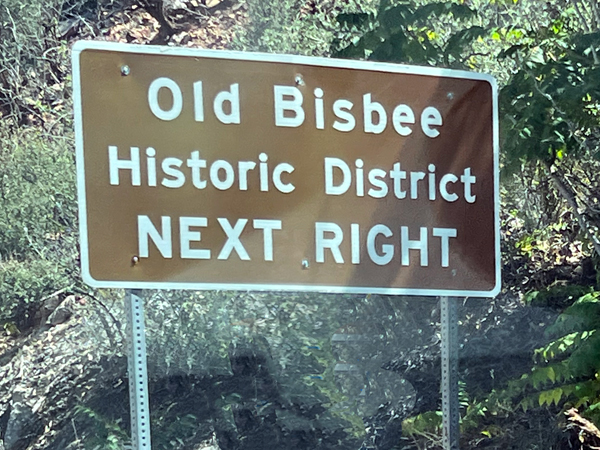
<point x="537" y="55"/>
<point x="551" y="374"/>
<point x="544" y="397"/>
<point x="556" y="395"/>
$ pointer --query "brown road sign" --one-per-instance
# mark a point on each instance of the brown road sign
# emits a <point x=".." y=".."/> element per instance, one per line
<point x="204" y="169"/>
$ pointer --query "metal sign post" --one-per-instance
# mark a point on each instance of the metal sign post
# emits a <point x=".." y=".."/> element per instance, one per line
<point x="450" y="406"/>
<point x="137" y="371"/>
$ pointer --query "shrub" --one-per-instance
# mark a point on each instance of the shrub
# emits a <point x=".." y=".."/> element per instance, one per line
<point x="33" y="62"/>
<point x="38" y="253"/>
<point x="23" y="285"/>
<point x="294" y="26"/>
<point x="37" y="195"/>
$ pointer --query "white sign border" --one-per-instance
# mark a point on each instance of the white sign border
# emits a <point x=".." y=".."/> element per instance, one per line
<point x="80" y="46"/>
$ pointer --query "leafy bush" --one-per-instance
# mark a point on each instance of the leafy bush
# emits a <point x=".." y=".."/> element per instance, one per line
<point x="564" y="372"/>
<point x="37" y="195"/>
<point x="22" y="287"/>
<point x="558" y="296"/>
<point x="403" y="32"/>
<point x="567" y="368"/>
<point x="105" y="434"/>
<point x="293" y="26"/>
<point x="33" y="62"/>
<point x="37" y="222"/>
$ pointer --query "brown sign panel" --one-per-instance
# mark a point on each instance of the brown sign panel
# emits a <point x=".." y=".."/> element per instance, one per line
<point x="204" y="169"/>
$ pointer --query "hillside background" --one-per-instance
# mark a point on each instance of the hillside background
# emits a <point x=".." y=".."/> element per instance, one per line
<point x="238" y="370"/>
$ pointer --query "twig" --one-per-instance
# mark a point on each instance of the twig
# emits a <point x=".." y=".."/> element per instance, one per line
<point x="74" y="428"/>
<point x="14" y="26"/>
<point x="32" y="245"/>
<point x="60" y="291"/>
<point x="111" y="315"/>
<point x="203" y="15"/>
<point x="472" y="54"/>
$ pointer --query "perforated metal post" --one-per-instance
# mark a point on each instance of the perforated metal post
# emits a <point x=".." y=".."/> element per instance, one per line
<point x="137" y="371"/>
<point x="450" y="405"/>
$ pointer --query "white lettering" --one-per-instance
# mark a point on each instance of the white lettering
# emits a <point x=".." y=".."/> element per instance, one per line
<point x="398" y="175"/>
<point x="186" y="236"/>
<point x="415" y="177"/>
<point x="355" y="243"/>
<point x="195" y="163"/>
<point x="446" y="179"/>
<point x="403" y="114"/>
<point x="319" y="110"/>
<point x="387" y="249"/>
<point x="376" y="178"/>
<point x="267" y="226"/>
<point x="169" y="168"/>
<point x="155" y="107"/>
<point x="445" y="234"/>
<point x="133" y="164"/>
<point x="198" y="102"/>
<point x="285" y="188"/>
<point x="431" y="117"/>
<point x="330" y="164"/>
<point x="233" y="239"/>
<point x="332" y="243"/>
<point x="467" y="180"/>
<point x="341" y="109"/>
<point x="151" y="165"/>
<point x="162" y="240"/>
<point x="294" y="106"/>
<point x="227" y="182"/>
<point x="421" y="245"/>
<point x="243" y="168"/>
<point x="369" y="108"/>
<point x="233" y="98"/>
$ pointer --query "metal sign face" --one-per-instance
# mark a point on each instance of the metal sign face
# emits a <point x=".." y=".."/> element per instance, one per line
<point x="222" y="170"/>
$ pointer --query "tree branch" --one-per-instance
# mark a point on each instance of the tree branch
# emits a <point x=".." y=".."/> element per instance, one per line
<point x="106" y="309"/>
<point x="596" y="13"/>
<point x="570" y="124"/>
<point x="568" y="194"/>
<point x="586" y="29"/>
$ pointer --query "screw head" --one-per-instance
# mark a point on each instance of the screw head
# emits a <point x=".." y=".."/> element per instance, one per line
<point x="125" y="70"/>
<point x="450" y="95"/>
<point x="305" y="264"/>
<point x="299" y="80"/>
<point x="135" y="259"/>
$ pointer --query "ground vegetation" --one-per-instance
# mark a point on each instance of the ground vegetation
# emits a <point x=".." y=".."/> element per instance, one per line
<point x="246" y="370"/>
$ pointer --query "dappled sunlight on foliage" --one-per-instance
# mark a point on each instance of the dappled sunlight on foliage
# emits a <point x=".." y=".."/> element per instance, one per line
<point x="243" y="370"/>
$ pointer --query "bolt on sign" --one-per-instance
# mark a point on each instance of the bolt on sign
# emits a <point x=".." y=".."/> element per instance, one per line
<point x="208" y="169"/>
